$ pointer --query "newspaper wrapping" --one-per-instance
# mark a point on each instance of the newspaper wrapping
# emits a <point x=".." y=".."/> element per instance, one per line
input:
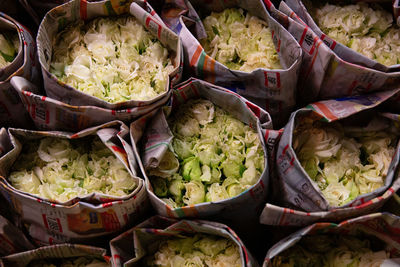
<point x="5" y="146"/>
<point x="79" y="219"/>
<point x="272" y="89"/>
<point x="130" y="247"/>
<point x="67" y="105"/>
<point x="383" y="226"/>
<point x="299" y="198"/>
<point x="25" y="64"/>
<point x="12" y="240"/>
<point x="54" y="252"/>
<point x="339" y="49"/>
<point x="157" y="138"/>
<point x="50" y="114"/>
<point x="324" y="73"/>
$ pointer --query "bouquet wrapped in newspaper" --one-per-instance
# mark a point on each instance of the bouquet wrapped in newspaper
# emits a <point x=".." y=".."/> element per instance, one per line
<point x="12" y="238"/>
<point x="59" y="255"/>
<point x="370" y="240"/>
<point x="17" y="57"/>
<point x="204" y="155"/>
<point x="335" y="159"/>
<point x="238" y="45"/>
<point x="332" y="70"/>
<point x="68" y="187"/>
<point x="161" y="241"/>
<point x="97" y="58"/>
<point x="363" y="33"/>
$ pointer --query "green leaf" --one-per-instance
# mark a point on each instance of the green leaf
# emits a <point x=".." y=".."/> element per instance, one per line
<point x="7" y="58"/>
<point x="215" y="30"/>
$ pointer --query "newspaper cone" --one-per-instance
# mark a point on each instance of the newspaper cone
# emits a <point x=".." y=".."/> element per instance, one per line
<point x="299" y="201"/>
<point x="240" y="209"/>
<point x="54" y="252"/>
<point x="324" y="73"/>
<point x="24" y="64"/>
<point x="272" y="89"/>
<point x="80" y="219"/>
<point x="130" y="247"/>
<point x="383" y="226"/>
<point x="81" y="107"/>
